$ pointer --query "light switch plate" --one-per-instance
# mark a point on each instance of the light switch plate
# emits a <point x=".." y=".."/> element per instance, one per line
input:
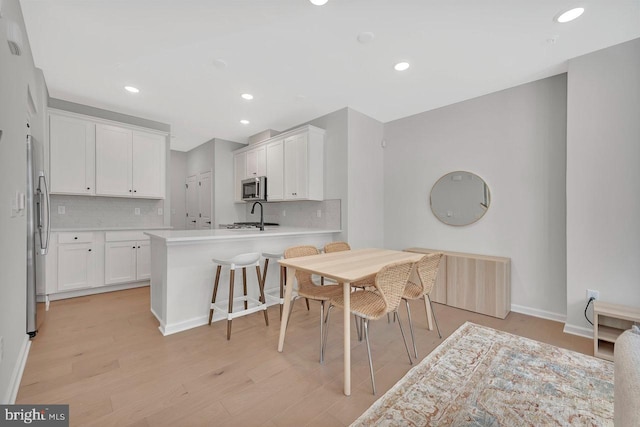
<point x="160" y="211"/>
<point x="136" y="211"/>
<point x="62" y="210"/>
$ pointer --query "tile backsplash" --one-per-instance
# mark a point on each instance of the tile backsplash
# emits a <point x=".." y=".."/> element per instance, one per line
<point x="300" y="213"/>
<point x="86" y="211"/>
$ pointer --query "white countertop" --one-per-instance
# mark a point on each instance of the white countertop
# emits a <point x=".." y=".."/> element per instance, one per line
<point x="183" y="236"/>
<point x="57" y="230"/>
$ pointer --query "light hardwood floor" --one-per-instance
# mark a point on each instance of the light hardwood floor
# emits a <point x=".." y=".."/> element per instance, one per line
<point x="104" y="356"/>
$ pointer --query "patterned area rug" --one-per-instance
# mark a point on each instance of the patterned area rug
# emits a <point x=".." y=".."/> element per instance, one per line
<point x="483" y="377"/>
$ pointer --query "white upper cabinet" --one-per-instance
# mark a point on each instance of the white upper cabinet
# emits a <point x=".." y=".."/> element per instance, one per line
<point x="275" y="171"/>
<point x="148" y="168"/>
<point x="256" y="162"/>
<point x="72" y="148"/>
<point x="113" y="161"/>
<point x="129" y="163"/>
<point x="304" y="166"/>
<point x="91" y="156"/>
<point x="293" y="163"/>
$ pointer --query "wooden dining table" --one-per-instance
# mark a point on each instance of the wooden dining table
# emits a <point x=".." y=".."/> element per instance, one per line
<point x="344" y="267"/>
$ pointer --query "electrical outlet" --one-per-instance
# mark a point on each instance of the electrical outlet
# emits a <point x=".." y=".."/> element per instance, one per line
<point x="62" y="210"/>
<point x="593" y="294"/>
<point x="136" y="211"/>
<point x="284" y="213"/>
<point x="319" y="213"/>
<point x="160" y="211"/>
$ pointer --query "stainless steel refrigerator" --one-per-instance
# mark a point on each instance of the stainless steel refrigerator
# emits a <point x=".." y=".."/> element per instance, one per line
<point x="38" y="232"/>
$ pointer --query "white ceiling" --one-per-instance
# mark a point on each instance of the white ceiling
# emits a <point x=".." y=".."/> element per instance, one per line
<point x="302" y="61"/>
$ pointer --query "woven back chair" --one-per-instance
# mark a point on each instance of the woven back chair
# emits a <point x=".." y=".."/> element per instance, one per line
<point x="336" y="247"/>
<point x="341" y="247"/>
<point x="427" y="270"/>
<point x="308" y="289"/>
<point x="374" y="304"/>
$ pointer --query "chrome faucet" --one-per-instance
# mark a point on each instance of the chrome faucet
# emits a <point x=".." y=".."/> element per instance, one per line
<point x="253" y="208"/>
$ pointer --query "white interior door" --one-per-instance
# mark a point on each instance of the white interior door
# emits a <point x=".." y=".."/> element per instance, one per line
<point x="193" y="208"/>
<point x="205" y="197"/>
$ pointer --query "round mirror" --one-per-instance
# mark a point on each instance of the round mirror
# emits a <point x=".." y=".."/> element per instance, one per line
<point x="460" y="198"/>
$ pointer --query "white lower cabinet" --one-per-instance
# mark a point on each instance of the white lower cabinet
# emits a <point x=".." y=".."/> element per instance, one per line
<point x="76" y="266"/>
<point x="82" y="263"/>
<point x="119" y="262"/>
<point x="126" y="260"/>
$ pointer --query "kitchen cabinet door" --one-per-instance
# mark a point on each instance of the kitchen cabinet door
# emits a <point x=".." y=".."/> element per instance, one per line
<point x="120" y="262"/>
<point x="148" y="165"/>
<point x="143" y="260"/>
<point x="72" y="155"/>
<point x="256" y="162"/>
<point x="75" y="266"/>
<point x="113" y="161"/>
<point x="295" y="167"/>
<point x="275" y="171"/>
<point x="193" y="208"/>
<point x="205" y="197"/>
<point x="239" y="173"/>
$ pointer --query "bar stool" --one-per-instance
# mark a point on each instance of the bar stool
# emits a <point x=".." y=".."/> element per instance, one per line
<point x="239" y="261"/>
<point x="283" y="274"/>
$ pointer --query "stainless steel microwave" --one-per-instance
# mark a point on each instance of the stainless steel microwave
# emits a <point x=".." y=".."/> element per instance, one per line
<point x="254" y="189"/>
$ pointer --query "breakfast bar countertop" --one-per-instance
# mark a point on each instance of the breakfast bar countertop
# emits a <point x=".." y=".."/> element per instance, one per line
<point x="185" y="236"/>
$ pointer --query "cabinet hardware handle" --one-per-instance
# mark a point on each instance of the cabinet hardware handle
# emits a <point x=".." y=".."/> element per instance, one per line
<point x="193" y="220"/>
<point x="89" y="250"/>
<point x="129" y="191"/>
<point x="133" y="247"/>
<point x="75" y="238"/>
<point x="138" y="247"/>
<point x="88" y="188"/>
<point x="135" y="191"/>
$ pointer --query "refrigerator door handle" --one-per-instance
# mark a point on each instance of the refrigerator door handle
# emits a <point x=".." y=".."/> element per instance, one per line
<point x="44" y="246"/>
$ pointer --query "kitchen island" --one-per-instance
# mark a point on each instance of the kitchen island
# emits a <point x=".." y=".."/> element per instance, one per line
<point x="182" y="271"/>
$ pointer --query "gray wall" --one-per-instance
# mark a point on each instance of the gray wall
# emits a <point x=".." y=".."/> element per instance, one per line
<point x="226" y="211"/>
<point x="177" y="190"/>
<point x="516" y="141"/>
<point x="336" y="157"/>
<point x="365" y="206"/>
<point x="603" y="179"/>
<point x="17" y="74"/>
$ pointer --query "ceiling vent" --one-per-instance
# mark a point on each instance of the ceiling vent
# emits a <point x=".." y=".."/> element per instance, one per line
<point x="14" y="38"/>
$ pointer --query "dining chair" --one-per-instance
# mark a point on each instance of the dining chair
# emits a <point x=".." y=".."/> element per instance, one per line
<point x="360" y="284"/>
<point x="373" y="304"/>
<point x="427" y="271"/>
<point x="309" y="290"/>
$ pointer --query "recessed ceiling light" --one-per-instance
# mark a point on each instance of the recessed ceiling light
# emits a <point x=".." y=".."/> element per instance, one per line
<point x="570" y="15"/>
<point x="401" y="66"/>
<point x="131" y="89"/>
<point x="319" y="2"/>
<point x="244" y="122"/>
<point x="247" y="96"/>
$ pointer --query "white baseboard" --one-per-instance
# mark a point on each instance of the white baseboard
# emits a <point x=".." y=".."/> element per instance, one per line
<point x="18" y="370"/>
<point x="183" y="326"/>
<point x="98" y="290"/>
<point x="580" y="331"/>
<point x="536" y="312"/>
